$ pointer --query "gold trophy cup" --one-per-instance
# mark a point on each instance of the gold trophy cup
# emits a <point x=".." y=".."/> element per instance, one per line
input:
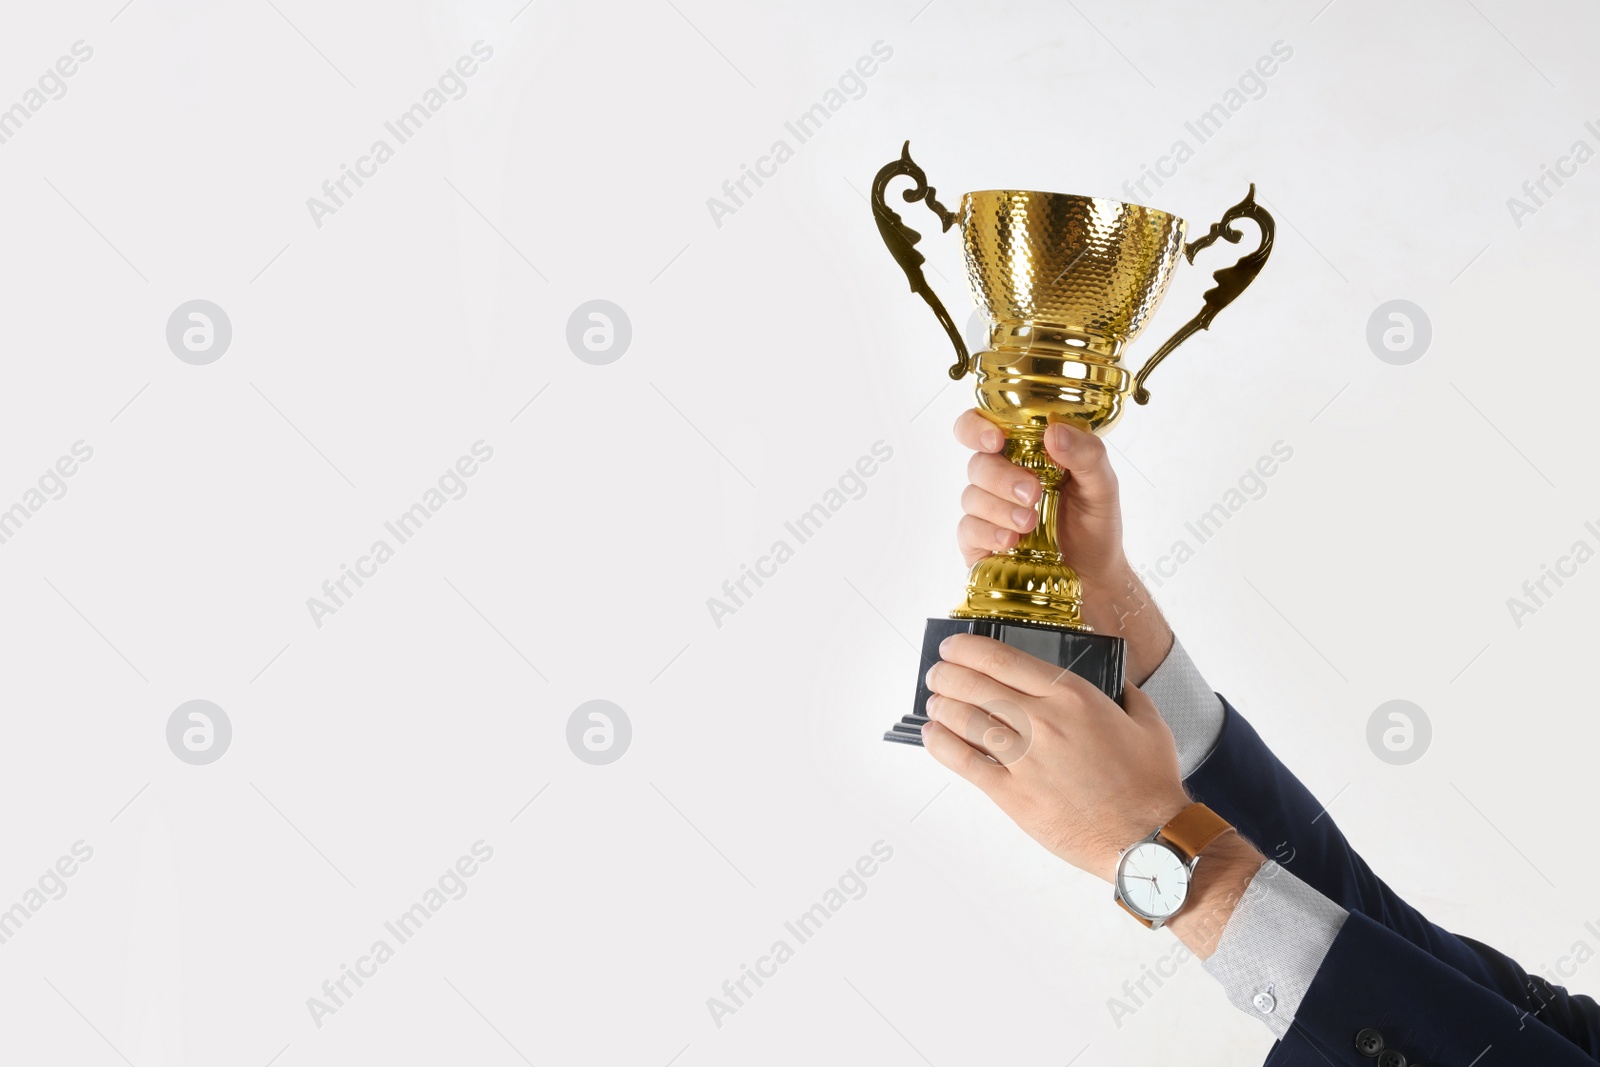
<point x="1067" y="283"/>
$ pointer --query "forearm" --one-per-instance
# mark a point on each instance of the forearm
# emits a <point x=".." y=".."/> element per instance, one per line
<point x="1121" y="605"/>
<point x="1286" y="920"/>
<point x="1261" y="932"/>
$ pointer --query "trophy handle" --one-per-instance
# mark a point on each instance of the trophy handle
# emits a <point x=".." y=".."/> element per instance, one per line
<point x="902" y="239"/>
<point x="1231" y="281"/>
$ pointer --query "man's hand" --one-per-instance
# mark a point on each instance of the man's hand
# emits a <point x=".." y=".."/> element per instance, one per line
<point x="999" y="507"/>
<point x="1080" y="775"/>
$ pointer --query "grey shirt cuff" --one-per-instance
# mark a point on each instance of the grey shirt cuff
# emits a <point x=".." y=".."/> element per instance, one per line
<point x="1273" y="946"/>
<point x="1281" y="929"/>
<point x="1191" y="710"/>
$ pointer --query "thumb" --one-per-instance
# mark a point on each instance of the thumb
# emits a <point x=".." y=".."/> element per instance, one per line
<point x="1083" y="456"/>
<point x="1140" y="708"/>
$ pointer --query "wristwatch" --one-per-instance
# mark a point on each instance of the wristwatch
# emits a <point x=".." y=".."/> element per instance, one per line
<point x="1153" y="874"/>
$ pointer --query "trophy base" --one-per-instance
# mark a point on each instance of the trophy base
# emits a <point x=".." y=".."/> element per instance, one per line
<point x="1100" y="658"/>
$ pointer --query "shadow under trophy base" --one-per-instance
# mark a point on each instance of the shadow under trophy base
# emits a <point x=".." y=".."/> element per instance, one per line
<point x="1067" y="282"/>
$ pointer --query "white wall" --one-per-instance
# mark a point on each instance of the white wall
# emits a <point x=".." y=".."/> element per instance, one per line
<point x="771" y="348"/>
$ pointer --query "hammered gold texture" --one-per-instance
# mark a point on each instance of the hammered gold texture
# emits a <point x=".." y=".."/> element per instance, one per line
<point x="1087" y="266"/>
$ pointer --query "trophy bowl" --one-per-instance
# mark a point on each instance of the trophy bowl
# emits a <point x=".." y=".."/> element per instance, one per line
<point x="1066" y="281"/>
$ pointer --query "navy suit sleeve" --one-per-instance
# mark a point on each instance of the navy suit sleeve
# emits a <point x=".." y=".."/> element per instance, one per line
<point x="1430" y="1013"/>
<point x="1246" y="784"/>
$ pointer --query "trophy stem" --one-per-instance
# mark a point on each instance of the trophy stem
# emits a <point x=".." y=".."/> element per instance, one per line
<point x="1027" y="450"/>
<point x="1029" y="583"/>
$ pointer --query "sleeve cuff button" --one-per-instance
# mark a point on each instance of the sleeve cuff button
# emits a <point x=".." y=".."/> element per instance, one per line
<point x="1369" y="1042"/>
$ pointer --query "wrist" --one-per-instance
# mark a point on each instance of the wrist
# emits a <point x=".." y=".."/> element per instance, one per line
<point x="1221" y="878"/>
<point x="1119" y="604"/>
<point x="1160" y="808"/>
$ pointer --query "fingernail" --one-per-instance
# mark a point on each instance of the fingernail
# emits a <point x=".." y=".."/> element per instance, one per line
<point x="1023" y="517"/>
<point x="1023" y="491"/>
<point x="927" y="728"/>
<point x="1003" y="538"/>
<point x="990" y="440"/>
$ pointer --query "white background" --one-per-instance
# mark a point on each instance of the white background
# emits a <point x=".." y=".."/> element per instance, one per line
<point x="769" y="352"/>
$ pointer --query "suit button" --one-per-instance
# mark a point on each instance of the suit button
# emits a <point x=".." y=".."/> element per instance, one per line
<point x="1369" y="1042"/>
<point x="1391" y="1058"/>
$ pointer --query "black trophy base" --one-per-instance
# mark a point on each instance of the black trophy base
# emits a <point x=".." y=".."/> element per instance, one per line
<point x="1100" y="658"/>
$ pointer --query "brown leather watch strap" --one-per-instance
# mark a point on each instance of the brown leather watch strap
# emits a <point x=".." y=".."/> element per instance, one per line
<point x="1193" y="828"/>
<point x="1146" y="922"/>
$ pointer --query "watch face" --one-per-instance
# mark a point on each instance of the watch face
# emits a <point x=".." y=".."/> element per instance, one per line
<point x="1153" y="880"/>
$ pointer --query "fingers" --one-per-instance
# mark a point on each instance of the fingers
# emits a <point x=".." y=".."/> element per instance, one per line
<point x="969" y="686"/>
<point x="1008" y="668"/>
<point x="962" y="758"/>
<point x="999" y="504"/>
<point x="983" y="504"/>
<point x="979" y="538"/>
<point x="978" y="433"/>
<point x="1083" y="456"/>
<point x="999" y="731"/>
<point x="1003" y="479"/>
<point x="970" y="720"/>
